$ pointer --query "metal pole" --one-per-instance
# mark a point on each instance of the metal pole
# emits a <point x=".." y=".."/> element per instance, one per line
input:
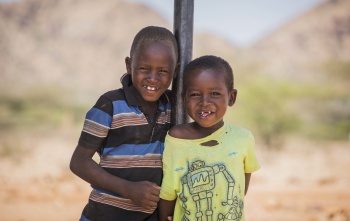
<point x="183" y="30"/>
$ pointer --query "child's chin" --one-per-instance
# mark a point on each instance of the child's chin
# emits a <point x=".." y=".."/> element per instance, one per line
<point x="151" y="98"/>
<point x="203" y="124"/>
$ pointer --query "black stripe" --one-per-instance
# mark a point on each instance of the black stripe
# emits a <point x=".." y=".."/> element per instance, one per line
<point x="95" y="211"/>
<point x="153" y="175"/>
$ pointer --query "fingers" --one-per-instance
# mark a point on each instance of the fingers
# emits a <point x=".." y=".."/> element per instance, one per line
<point x="146" y="194"/>
<point x="153" y="196"/>
<point x="155" y="185"/>
<point x="154" y="189"/>
<point x="151" y="202"/>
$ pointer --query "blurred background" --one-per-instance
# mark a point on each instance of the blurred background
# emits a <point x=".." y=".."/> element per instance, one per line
<point x="291" y="61"/>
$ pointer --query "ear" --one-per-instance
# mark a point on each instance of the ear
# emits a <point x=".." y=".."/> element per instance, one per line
<point x="232" y="97"/>
<point x="128" y="65"/>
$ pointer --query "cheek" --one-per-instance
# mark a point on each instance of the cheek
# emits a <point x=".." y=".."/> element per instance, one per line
<point x="223" y="108"/>
<point x="167" y="79"/>
<point x="191" y="106"/>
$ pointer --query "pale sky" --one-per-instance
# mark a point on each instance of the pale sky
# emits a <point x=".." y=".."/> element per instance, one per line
<point x="242" y="22"/>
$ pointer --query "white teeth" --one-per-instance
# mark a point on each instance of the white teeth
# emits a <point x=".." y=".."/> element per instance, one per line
<point x="205" y="113"/>
<point x="150" y="88"/>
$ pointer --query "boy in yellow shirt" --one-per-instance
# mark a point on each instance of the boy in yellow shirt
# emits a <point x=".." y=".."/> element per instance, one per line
<point x="207" y="164"/>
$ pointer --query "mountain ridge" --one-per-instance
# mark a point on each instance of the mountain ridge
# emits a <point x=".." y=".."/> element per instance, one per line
<point x="82" y="45"/>
<point x="319" y="35"/>
<point x="79" y="45"/>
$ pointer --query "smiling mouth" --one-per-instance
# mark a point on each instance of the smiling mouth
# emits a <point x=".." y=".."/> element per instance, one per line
<point x="205" y="113"/>
<point x="150" y="88"/>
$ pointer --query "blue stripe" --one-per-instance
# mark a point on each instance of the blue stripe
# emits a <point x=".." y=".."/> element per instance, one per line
<point x="120" y="106"/>
<point x="99" y="190"/>
<point x="99" y="116"/>
<point x="83" y="218"/>
<point x="134" y="149"/>
<point x="167" y="107"/>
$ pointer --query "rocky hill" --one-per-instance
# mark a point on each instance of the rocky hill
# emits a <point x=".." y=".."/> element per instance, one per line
<point x="78" y="46"/>
<point x="73" y="44"/>
<point x="318" y="36"/>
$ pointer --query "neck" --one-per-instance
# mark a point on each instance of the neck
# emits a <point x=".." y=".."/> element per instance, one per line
<point x="206" y="131"/>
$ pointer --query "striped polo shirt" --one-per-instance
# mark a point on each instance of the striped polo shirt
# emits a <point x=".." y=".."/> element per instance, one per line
<point x="130" y="145"/>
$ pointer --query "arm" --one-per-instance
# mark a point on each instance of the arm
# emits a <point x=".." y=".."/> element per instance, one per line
<point x="144" y="193"/>
<point x="166" y="209"/>
<point x="247" y="180"/>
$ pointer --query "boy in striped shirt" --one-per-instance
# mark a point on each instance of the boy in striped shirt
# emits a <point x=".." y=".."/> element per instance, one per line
<point x="127" y="128"/>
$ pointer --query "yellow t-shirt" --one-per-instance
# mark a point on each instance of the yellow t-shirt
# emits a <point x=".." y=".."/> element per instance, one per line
<point x="208" y="181"/>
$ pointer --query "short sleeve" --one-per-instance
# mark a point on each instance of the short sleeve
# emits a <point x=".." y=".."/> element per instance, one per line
<point x="97" y="124"/>
<point x="167" y="191"/>
<point x="251" y="162"/>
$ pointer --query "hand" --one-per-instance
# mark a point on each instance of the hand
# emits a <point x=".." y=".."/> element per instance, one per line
<point x="170" y="218"/>
<point x="144" y="194"/>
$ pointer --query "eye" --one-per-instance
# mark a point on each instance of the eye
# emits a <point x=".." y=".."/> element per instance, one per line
<point x="143" y="68"/>
<point x="163" y="72"/>
<point x="216" y="93"/>
<point x="194" y="95"/>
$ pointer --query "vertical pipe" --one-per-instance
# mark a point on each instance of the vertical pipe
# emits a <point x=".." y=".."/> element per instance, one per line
<point x="183" y="30"/>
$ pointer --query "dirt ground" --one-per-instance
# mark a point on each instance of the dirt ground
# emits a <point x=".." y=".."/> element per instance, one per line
<point x="304" y="181"/>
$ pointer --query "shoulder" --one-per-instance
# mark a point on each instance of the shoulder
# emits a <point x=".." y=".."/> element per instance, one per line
<point x="180" y="131"/>
<point x="112" y="95"/>
<point x="183" y="131"/>
<point x="105" y="101"/>
<point x="239" y="131"/>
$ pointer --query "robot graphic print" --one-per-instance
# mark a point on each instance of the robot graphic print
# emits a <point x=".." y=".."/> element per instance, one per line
<point x="210" y="188"/>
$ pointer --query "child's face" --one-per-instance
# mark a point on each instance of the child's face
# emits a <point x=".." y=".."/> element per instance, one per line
<point x="152" y="69"/>
<point x="207" y="98"/>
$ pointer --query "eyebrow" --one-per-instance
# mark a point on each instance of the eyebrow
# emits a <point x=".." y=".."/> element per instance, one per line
<point x="189" y="88"/>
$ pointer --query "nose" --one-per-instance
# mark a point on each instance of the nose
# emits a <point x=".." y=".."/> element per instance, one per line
<point x="153" y="75"/>
<point x="205" y="100"/>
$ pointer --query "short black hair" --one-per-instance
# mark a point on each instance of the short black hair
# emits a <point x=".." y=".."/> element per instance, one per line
<point x="151" y="34"/>
<point x="210" y="62"/>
